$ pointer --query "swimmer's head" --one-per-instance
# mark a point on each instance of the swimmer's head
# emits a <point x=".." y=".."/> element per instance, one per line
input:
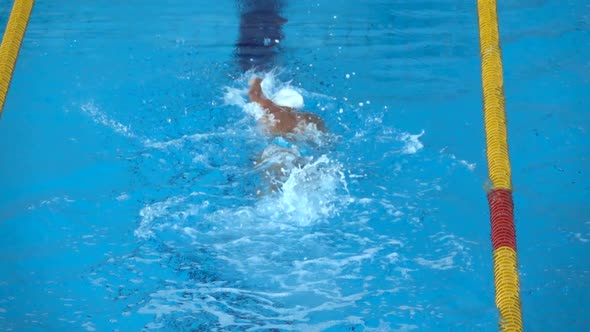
<point x="288" y="97"/>
<point x="285" y="97"/>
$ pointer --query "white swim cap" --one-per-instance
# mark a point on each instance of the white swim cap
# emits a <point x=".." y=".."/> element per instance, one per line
<point x="288" y="97"/>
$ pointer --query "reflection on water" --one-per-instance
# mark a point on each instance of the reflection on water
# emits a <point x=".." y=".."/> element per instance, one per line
<point x="260" y="33"/>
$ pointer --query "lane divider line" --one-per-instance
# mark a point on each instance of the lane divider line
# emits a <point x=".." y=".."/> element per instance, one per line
<point x="11" y="42"/>
<point x="500" y="201"/>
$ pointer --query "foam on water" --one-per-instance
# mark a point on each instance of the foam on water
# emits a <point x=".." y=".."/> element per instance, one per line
<point x="310" y="194"/>
<point x="311" y="191"/>
<point x="268" y="245"/>
<point x="102" y="118"/>
<point x="301" y="258"/>
<point x="412" y="143"/>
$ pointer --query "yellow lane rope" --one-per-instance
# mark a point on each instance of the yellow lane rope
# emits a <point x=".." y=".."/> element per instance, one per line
<point x="507" y="295"/>
<point x="493" y="94"/>
<point x="503" y="236"/>
<point x="13" y="37"/>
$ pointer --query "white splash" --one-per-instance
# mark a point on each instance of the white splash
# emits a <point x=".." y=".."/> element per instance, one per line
<point x="309" y="194"/>
<point x="51" y="202"/>
<point x="465" y="163"/>
<point x="155" y="212"/>
<point x="444" y="263"/>
<point x="235" y="96"/>
<point x="178" y="142"/>
<point x="122" y="197"/>
<point x="411" y="142"/>
<point x="89" y="326"/>
<point x="102" y="118"/>
<point x="581" y="237"/>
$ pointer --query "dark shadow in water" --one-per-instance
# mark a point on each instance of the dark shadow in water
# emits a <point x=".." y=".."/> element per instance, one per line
<point x="260" y="33"/>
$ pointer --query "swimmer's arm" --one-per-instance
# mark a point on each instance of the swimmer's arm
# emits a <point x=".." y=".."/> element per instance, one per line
<point x="257" y="96"/>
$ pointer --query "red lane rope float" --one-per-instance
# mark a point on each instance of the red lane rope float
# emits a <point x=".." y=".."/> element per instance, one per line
<point x="502" y="218"/>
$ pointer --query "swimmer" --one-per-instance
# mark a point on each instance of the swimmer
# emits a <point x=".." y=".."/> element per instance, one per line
<point x="280" y="120"/>
<point x="283" y="123"/>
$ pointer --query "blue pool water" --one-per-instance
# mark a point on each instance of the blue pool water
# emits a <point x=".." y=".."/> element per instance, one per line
<point x="128" y="187"/>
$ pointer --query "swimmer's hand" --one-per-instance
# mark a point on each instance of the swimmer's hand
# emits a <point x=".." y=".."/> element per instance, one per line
<point x="255" y="92"/>
<point x="255" y="81"/>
